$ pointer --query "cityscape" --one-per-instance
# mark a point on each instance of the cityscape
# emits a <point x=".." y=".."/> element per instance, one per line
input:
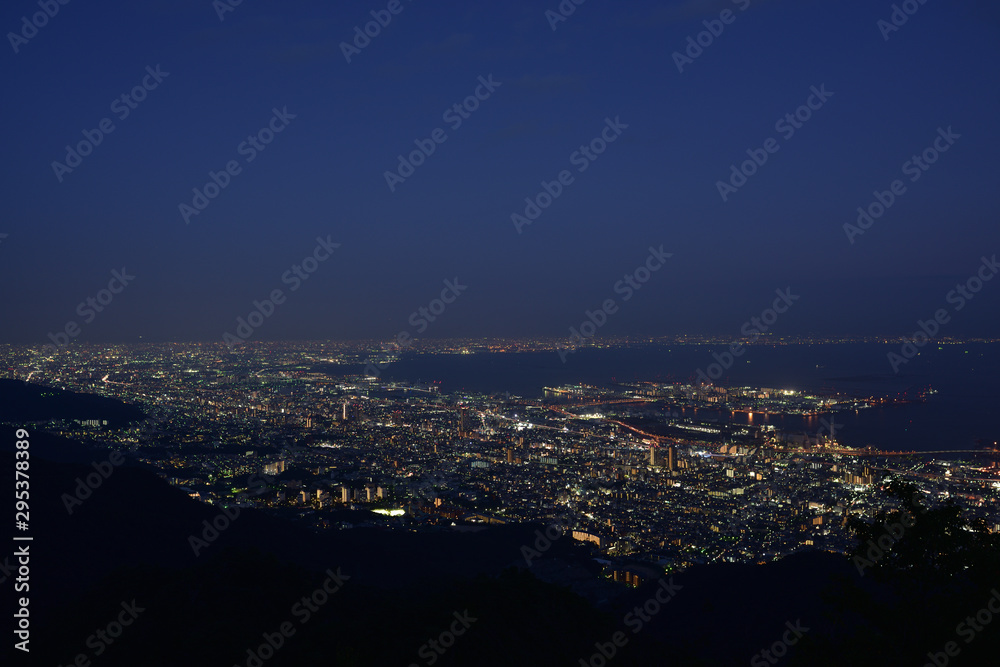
<point x="646" y="472"/>
<point x="546" y="333"/>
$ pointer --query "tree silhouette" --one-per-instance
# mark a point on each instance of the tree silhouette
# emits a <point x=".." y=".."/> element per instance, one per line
<point x="920" y="540"/>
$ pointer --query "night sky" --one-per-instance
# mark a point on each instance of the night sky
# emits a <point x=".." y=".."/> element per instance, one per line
<point x="608" y="64"/>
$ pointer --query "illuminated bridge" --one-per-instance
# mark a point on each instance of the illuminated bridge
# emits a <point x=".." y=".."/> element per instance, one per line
<point x="876" y="452"/>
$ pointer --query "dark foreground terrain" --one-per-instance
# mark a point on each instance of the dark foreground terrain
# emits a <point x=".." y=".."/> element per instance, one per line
<point x="115" y="580"/>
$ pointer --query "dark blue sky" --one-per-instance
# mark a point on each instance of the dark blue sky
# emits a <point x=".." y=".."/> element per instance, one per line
<point x="323" y="174"/>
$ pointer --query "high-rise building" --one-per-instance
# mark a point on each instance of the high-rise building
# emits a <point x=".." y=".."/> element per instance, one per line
<point x="465" y="422"/>
<point x="652" y="455"/>
<point x="671" y="458"/>
<point x="275" y="468"/>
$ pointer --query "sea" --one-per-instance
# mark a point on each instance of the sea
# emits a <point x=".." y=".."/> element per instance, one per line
<point x="960" y="382"/>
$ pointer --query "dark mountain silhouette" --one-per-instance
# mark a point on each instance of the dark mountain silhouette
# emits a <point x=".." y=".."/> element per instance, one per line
<point x="129" y="539"/>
